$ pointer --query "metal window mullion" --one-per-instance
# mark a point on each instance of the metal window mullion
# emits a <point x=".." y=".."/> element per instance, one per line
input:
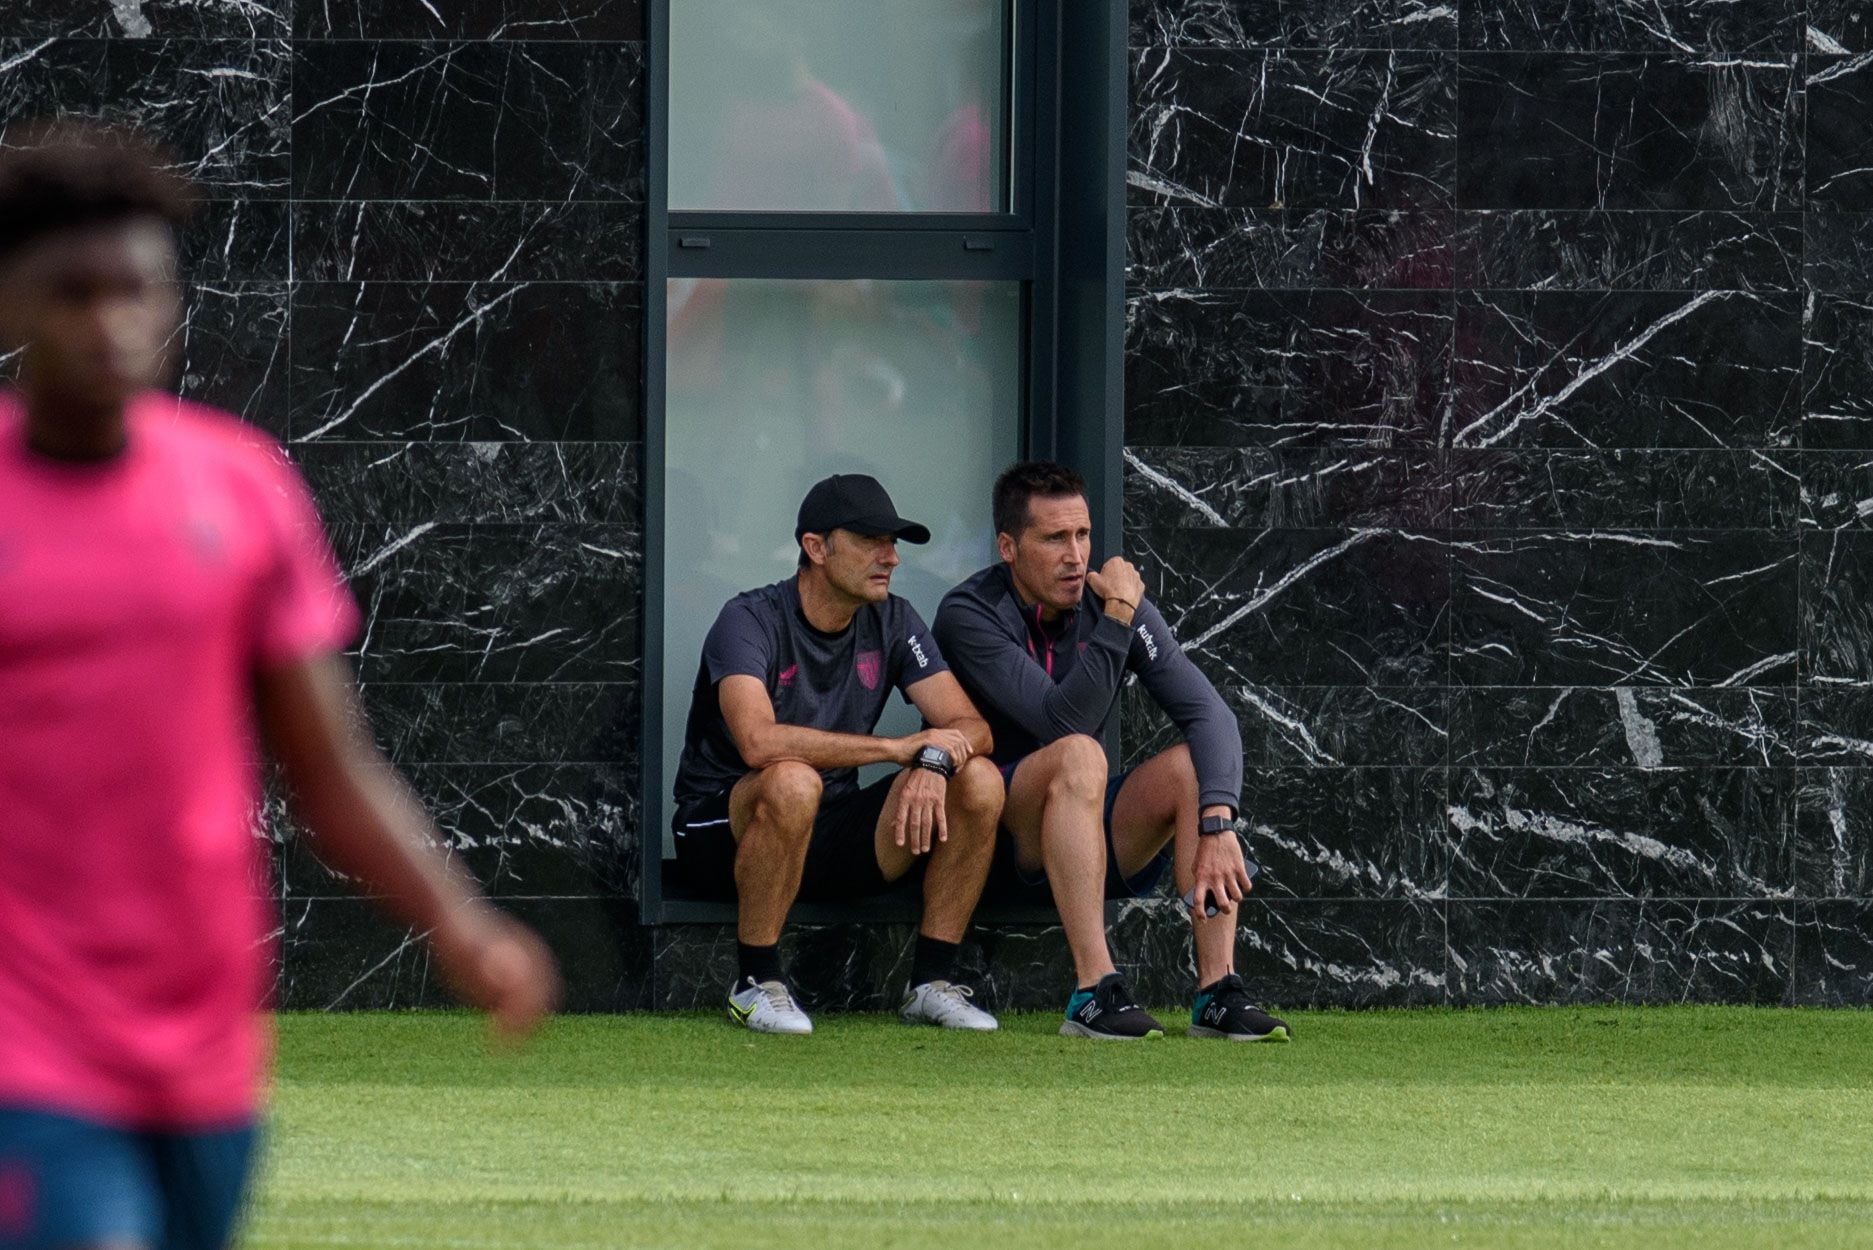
<point x="882" y="255"/>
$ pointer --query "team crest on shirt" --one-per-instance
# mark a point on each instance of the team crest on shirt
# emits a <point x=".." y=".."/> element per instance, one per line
<point x="870" y="668"/>
<point x="204" y="538"/>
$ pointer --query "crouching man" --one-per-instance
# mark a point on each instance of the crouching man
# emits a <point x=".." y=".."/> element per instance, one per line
<point x="794" y="677"/>
<point x="1042" y="641"/>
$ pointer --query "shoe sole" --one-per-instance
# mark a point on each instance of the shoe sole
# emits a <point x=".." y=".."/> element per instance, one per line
<point x="1073" y="1028"/>
<point x="746" y="1022"/>
<point x="1273" y="1035"/>
<point x="954" y="1028"/>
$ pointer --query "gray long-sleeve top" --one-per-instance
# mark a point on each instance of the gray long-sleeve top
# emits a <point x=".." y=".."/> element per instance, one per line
<point x="1036" y="682"/>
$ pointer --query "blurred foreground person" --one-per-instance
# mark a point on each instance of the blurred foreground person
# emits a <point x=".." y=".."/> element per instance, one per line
<point x="166" y="597"/>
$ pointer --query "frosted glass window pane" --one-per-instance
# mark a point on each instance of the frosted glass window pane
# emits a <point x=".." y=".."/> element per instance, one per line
<point x="839" y="105"/>
<point x="774" y="385"/>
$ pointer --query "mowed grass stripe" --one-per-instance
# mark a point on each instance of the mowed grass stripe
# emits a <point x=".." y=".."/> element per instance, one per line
<point x="1663" y="1127"/>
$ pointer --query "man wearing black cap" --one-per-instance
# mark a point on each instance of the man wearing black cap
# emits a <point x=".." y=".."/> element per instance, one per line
<point x="794" y="677"/>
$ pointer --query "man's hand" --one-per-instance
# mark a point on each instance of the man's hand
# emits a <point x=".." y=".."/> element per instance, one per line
<point x="1119" y="584"/>
<point x="955" y="741"/>
<point x="1221" y="874"/>
<point x="500" y="966"/>
<point x="920" y="811"/>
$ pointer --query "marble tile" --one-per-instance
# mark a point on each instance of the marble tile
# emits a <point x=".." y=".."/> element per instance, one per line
<point x="1837" y="251"/>
<point x="1618" y="608"/>
<point x="1759" y="28"/>
<point x="1618" y="130"/>
<point x="461" y="241"/>
<point x="344" y="954"/>
<point x="1350" y="726"/>
<point x="1837" y="725"/>
<point x="1621" y="951"/>
<point x="1304" y="607"/>
<point x="522" y="830"/>
<point x="1834" y="841"/>
<point x="471" y="362"/>
<point x="1218" y="487"/>
<point x="1603" y="833"/>
<point x="1650" y="491"/>
<point x="1628" y="369"/>
<point x="231" y="350"/>
<point x="146" y="19"/>
<point x="1287" y="369"/>
<point x="341" y="954"/>
<point x="388" y="484"/>
<point x="1836" y="607"/>
<point x="1840" y="143"/>
<point x="236" y="240"/>
<point x="1620" y="250"/>
<point x="469" y="19"/>
<point x="1361" y="953"/>
<point x="1347" y="833"/>
<point x="486" y="723"/>
<point x="1836" y="489"/>
<point x="1288" y="249"/>
<point x="1307" y="726"/>
<point x="1839" y="26"/>
<point x="1833" y="953"/>
<point x="1837" y="372"/>
<point x="1294" y="23"/>
<point x="222" y="106"/>
<point x="1642" y="727"/>
<point x="473" y="121"/>
<point x="1337" y="129"/>
<point x="496" y="603"/>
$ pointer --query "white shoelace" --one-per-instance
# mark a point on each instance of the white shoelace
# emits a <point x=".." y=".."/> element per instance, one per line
<point x="778" y="995"/>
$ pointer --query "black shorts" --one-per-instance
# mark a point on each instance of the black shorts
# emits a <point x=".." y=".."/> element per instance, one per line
<point x="841" y="860"/>
<point x="1009" y="883"/>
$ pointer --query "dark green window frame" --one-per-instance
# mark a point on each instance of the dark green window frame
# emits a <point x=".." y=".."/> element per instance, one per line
<point x="1063" y="240"/>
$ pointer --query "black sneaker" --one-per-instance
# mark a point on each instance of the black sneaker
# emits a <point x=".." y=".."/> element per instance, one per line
<point x="1107" y="1011"/>
<point x="1225" y="1010"/>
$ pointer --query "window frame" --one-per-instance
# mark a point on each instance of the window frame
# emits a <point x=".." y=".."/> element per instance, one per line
<point x="1071" y="407"/>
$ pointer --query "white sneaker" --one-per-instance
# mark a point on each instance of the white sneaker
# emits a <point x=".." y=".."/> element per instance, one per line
<point x="767" y="1007"/>
<point x="946" y="1005"/>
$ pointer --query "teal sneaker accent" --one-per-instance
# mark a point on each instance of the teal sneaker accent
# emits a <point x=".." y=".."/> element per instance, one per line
<point x="1196" y="1008"/>
<point x="1080" y="999"/>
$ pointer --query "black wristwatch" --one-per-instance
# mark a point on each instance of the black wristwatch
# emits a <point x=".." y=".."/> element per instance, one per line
<point x="1210" y="826"/>
<point x="936" y="760"/>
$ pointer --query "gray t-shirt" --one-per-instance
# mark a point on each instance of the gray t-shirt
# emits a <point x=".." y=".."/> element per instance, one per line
<point x="834" y="682"/>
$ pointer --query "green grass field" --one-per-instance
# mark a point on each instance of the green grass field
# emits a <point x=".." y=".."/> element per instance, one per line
<point x="1662" y="1128"/>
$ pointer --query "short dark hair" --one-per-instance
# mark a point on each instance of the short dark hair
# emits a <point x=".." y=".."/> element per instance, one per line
<point x="69" y="172"/>
<point x="1021" y="482"/>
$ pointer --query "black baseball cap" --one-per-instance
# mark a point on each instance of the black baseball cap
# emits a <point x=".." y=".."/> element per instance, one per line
<point x="856" y="502"/>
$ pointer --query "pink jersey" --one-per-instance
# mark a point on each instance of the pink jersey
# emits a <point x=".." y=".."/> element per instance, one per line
<point x="137" y="600"/>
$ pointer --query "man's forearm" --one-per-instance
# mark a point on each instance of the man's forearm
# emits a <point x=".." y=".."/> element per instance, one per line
<point x="981" y="741"/>
<point x="818" y="748"/>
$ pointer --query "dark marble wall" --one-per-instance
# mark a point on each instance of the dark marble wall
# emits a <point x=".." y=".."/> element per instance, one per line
<point x="1497" y="425"/>
<point x="1498" y="438"/>
<point x="420" y="265"/>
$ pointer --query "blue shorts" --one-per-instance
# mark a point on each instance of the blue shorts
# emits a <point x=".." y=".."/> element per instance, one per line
<point x="1008" y="882"/>
<point x="66" y="1181"/>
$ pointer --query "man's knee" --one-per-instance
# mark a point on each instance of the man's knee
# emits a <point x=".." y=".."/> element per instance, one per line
<point x="976" y="791"/>
<point x="787" y="796"/>
<point x="1079" y="771"/>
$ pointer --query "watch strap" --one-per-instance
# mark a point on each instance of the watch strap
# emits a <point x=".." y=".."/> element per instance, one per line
<point x="1210" y="826"/>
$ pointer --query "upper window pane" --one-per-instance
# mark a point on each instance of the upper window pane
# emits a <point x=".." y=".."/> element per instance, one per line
<point x="839" y="106"/>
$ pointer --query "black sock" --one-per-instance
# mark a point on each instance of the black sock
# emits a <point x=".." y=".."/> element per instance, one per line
<point x="934" y="961"/>
<point x="760" y="962"/>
